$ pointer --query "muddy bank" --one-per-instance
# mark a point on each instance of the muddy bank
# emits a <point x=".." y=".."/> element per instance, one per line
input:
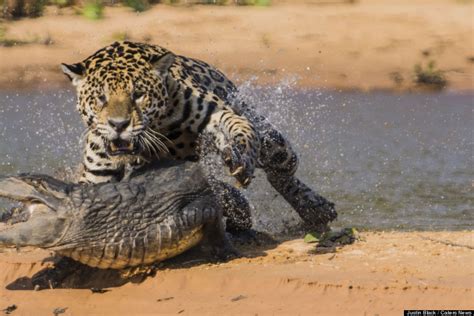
<point x="367" y="45"/>
<point x="384" y="274"/>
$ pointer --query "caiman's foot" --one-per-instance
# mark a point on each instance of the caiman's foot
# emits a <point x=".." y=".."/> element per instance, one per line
<point x="141" y="272"/>
<point x="225" y="253"/>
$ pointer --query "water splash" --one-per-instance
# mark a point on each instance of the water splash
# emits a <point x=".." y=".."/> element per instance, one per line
<point x="388" y="161"/>
<point x="39" y="132"/>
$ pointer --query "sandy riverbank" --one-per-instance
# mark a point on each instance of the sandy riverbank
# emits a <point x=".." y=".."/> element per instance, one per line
<point x="384" y="274"/>
<point x="368" y="45"/>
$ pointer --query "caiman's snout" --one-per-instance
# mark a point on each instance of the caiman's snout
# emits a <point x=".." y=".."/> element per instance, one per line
<point x="44" y="225"/>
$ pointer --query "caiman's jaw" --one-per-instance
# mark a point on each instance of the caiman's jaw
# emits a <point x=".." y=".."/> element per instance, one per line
<point x="33" y="189"/>
<point x="42" y="226"/>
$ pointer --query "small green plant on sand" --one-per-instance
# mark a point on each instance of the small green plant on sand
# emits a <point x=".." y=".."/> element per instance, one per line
<point x="262" y="3"/>
<point x="62" y="3"/>
<point x="15" y="9"/>
<point x="429" y="76"/>
<point x="216" y="2"/>
<point x="333" y="238"/>
<point x="8" y="42"/>
<point x="138" y="5"/>
<point x="93" y="10"/>
<point x="170" y="1"/>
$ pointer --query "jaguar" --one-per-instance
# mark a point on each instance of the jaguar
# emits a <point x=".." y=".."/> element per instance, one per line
<point x="141" y="103"/>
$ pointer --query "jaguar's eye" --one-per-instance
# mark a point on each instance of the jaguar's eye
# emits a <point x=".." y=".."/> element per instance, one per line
<point x="137" y="96"/>
<point x="102" y="99"/>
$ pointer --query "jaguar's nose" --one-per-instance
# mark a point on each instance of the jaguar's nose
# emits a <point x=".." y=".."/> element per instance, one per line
<point x="119" y="124"/>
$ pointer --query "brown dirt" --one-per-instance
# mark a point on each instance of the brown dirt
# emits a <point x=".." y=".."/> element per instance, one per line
<point x="385" y="274"/>
<point x="367" y="45"/>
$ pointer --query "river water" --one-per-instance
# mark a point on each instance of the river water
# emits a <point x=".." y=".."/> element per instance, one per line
<point x="388" y="161"/>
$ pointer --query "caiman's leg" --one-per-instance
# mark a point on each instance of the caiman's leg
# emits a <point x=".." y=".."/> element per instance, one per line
<point x="214" y="230"/>
<point x="236" y="140"/>
<point x="235" y="206"/>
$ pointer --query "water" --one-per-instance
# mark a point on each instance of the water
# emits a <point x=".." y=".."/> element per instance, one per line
<point x="388" y="161"/>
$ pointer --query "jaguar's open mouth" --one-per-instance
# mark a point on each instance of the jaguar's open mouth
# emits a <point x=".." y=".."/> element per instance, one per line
<point x="121" y="147"/>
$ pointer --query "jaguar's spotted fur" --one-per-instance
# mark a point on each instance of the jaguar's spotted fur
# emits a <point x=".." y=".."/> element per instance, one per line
<point x="141" y="102"/>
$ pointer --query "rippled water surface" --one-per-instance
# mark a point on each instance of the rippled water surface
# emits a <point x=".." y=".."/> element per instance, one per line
<point x="386" y="160"/>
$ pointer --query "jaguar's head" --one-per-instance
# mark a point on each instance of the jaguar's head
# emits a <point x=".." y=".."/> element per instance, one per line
<point x="122" y="94"/>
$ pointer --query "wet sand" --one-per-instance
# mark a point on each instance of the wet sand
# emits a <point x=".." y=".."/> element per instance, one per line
<point x="373" y="44"/>
<point x="384" y="274"/>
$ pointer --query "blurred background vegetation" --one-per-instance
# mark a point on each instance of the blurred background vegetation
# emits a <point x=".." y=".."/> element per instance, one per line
<point x="93" y="9"/>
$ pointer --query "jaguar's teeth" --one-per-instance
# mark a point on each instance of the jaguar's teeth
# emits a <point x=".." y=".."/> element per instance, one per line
<point x="113" y="147"/>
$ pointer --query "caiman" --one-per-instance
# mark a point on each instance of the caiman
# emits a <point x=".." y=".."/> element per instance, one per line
<point x="155" y="215"/>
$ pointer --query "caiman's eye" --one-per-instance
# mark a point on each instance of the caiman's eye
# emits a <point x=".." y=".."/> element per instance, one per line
<point x="137" y="96"/>
<point x="102" y="99"/>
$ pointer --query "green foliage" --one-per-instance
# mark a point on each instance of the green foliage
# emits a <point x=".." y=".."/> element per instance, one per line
<point x="429" y="76"/>
<point x="333" y="238"/>
<point x="170" y="1"/>
<point x="262" y="3"/>
<point x="311" y="238"/>
<point x="216" y="2"/>
<point x="7" y="42"/>
<point x="23" y="8"/>
<point x="93" y="10"/>
<point x="62" y="3"/>
<point x="138" y="5"/>
<point x="219" y="2"/>
<point x="36" y="8"/>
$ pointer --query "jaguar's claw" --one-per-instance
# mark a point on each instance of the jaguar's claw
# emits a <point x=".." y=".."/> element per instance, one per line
<point x="227" y="155"/>
<point x="237" y="171"/>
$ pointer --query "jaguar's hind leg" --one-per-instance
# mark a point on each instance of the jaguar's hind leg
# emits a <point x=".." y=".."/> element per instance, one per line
<point x="280" y="162"/>
<point x="315" y="210"/>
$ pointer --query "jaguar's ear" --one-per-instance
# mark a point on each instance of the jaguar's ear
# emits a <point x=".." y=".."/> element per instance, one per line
<point x="75" y="72"/>
<point x="162" y="63"/>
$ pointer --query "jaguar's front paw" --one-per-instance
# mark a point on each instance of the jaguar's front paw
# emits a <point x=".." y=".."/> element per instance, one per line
<point x="241" y="166"/>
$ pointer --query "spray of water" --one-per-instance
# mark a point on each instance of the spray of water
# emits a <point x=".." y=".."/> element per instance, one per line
<point x="387" y="161"/>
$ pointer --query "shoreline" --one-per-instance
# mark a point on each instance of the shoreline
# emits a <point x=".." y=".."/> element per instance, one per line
<point x="383" y="274"/>
<point x="66" y="87"/>
<point x="271" y="43"/>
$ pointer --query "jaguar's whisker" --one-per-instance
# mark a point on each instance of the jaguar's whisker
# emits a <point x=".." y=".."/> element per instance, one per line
<point x="153" y="138"/>
<point x="151" y="146"/>
<point x="160" y="135"/>
<point x="143" y="145"/>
